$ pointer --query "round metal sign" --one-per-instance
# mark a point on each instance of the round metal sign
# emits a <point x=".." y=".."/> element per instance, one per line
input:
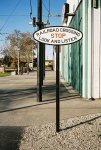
<point x="58" y="35"/>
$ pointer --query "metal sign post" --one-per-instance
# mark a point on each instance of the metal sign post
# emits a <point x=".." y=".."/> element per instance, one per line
<point x="57" y="35"/>
<point x="57" y="90"/>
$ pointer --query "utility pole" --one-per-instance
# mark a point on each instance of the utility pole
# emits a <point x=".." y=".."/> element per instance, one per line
<point x="18" y="62"/>
<point x="43" y="59"/>
<point x="39" y="55"/>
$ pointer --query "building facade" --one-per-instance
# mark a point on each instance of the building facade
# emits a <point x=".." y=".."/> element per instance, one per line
<point x="81" y="61"/>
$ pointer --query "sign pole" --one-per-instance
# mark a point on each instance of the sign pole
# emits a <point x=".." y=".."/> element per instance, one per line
<point x="57" y="90"/>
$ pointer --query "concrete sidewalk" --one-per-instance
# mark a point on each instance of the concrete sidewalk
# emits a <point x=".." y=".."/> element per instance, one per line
<point x="19" y="106"/>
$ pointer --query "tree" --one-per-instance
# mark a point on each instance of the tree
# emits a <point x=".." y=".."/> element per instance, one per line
<point x="7" y="60"/>
<point x="22" y="42"/>
<point x="14" y="44"/>
<point x="27" y="46"/>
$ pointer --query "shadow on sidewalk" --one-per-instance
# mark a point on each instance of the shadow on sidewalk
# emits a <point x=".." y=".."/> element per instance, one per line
<point x="45" y="102"/>
<point x="16" y="99"/>
<point x="89" y="121"/>
<point x="10" y="137"/>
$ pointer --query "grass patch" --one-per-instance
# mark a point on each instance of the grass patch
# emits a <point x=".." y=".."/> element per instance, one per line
<point x="5" y="74"/>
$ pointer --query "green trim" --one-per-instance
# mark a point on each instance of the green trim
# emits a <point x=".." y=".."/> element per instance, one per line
<point x="99" y="3"/>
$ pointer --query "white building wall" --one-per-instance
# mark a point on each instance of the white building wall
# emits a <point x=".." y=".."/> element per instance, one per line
<point x="92" y="86"/>
<point x="94" y="52"/>
<point x="85" y="57"/>
<point x="89" y="49"/>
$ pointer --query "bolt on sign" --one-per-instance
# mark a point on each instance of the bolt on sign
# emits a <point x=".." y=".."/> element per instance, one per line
<point x="58" y="35"/>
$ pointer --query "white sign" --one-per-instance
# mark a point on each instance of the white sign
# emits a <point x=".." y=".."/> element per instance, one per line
<point x="58" y="35"/>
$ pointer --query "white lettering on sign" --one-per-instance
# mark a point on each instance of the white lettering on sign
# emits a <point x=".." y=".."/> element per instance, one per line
<point x="58" y="35"/>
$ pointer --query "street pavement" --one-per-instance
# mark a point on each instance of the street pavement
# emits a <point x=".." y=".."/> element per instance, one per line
<point x="19" y="106"/>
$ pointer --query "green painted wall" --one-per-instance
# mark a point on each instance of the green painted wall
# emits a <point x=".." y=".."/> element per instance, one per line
<point x="76" y="53"/>
<point x="64" y="61"/>
<point x="72" y="56"/>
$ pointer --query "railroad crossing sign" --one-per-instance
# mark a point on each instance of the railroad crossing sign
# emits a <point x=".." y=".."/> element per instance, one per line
<point x="58" y="35"/>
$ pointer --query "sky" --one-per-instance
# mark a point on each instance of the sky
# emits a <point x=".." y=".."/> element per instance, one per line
<point x="15" y="14"/>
